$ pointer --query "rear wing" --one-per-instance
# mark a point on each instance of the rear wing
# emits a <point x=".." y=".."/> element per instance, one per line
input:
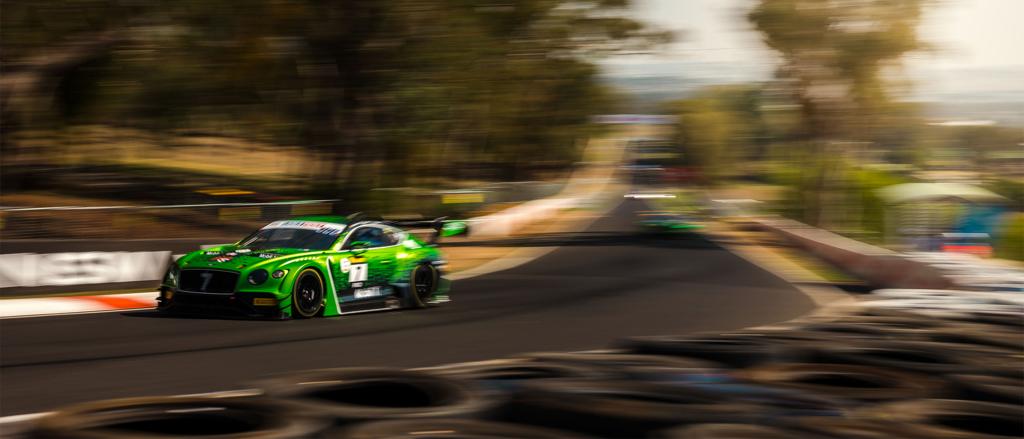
<point x="442" y="227"/>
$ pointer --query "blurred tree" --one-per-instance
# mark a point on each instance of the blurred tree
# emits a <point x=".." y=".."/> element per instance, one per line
<point x="365" y="85"/>
<point x="978" y="144"/>
<point x="725" y="127"/>
<point x="833" y="54"/>
<point x="705" y="133"/>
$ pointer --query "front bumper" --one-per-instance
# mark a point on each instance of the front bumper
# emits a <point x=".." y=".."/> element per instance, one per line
<point x="263" y="305"/>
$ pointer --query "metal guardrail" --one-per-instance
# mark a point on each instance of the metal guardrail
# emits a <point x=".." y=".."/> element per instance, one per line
<point x="231" y="219"/>
<point x="170" y="206"/>
<point x="148" y="222"/>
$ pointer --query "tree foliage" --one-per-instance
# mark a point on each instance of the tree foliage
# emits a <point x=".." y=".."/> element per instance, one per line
<point x="834" y="52"/>
<point x="834" y="59"/>
<point x="366" y="85"/>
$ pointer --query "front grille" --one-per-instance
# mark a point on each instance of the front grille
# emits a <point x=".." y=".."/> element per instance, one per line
<point x="208" y="281"/>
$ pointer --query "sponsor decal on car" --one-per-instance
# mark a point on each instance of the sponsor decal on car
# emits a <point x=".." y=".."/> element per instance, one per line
<point x="222" y="259"/>
<point x="368" y="292"/>
<point x="358" y="273"/>
<point x="317" y="226"/>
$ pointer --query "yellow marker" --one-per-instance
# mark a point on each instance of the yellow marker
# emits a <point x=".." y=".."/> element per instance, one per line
<point x="263" y="301"/>
<point x="462" y="198"/>
<point x="218" y="192"/>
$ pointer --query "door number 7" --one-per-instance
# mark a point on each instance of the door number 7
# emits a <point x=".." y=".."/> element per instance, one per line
<point x="357" y="273"/>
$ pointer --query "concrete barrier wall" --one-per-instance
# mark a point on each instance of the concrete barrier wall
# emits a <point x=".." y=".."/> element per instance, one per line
<point x="878" y="266"/>
<point x="30" y="267"/>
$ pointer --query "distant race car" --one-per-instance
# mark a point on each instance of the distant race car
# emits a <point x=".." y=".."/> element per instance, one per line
<point x="313" y="266"/>
<point x="659" y="222"/>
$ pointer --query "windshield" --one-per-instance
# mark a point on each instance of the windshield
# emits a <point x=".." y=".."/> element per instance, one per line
<point x="289" y="238"/>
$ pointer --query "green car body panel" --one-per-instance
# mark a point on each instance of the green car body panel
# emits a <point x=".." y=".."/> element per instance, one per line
<point x="377" y="276"/>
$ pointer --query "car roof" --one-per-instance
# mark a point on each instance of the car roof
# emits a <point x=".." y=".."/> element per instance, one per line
<point x="336" y="219"/>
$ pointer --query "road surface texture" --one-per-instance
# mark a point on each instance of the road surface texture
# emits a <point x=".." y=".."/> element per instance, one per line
<point x="601" y="284"/>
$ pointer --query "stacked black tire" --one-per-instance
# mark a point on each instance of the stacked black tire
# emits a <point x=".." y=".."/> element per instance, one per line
<point x="871" y="372"/>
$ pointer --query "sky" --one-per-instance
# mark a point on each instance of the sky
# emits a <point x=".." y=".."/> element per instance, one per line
<point x="969" y="34"/>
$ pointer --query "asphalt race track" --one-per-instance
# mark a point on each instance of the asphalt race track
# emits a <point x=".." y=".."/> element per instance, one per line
<point x="601" y="284"/>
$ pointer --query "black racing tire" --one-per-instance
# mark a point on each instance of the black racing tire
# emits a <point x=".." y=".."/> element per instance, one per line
<point x="178" y="416"/>
<point x="510" y="374"/>
<point x="308" y="294"/>
<point x="736" y="351"/>
<point x="423" y="282"/>
<point x="1004" y="320"/>
<point x="451" y="429"/>
<point x="978" y="387"/>
<point x="921" y="357"/>
<point x="733" y="431"/>
<point x="894" y="323"/>
<point x="618" y="408"/>
<point x="789" y="337"/>
<point x="984" y="337"/>
<point x="771" y="400"/>
<point x="946" y="418"/>
<point x="865" y="330"/>
<point x="850" y="314"/>
<point x="847" y="428"/>
<point x="846" y="382"/>
<point x="357" y="394"/>
<point x="615" y="362"/>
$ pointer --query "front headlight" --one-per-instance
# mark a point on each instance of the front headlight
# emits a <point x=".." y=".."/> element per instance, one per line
<point x="257" y="277"/>
<point x="172" y="275"/>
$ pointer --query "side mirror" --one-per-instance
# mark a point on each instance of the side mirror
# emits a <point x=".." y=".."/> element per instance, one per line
<point x="358" y="247"/>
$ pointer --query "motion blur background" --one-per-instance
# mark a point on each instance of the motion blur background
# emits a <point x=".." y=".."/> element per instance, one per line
<point x="810" y="107"/>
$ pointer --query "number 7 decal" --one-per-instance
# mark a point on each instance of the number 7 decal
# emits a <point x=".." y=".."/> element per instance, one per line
<point x="357" y="273"/>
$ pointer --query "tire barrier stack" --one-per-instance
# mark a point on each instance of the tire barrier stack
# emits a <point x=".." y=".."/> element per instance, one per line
<point x="971" y="272"/>
<point x="910" y="364"/>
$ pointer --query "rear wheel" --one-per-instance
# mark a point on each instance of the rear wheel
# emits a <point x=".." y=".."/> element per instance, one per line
<point x="308" y="294"/>
<point x="422" y="285"/>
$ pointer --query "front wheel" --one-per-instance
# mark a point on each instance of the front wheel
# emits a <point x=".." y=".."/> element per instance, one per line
<point x="422" y="284"/>
<point x="308" y="294"/>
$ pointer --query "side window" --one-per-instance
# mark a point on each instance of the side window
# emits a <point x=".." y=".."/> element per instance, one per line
<point x="360" y="234"/>
<point x="391" y="236"/>
<point x="373" y="235"/>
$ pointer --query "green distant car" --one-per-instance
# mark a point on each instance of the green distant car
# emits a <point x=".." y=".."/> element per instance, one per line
<point x="661" y="221"/>
<point x="312" y="266"/>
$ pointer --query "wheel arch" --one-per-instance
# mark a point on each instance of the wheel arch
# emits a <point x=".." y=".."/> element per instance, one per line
<point x="321" y="268"/>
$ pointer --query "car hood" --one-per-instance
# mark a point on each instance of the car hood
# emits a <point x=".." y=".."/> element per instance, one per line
<point x="230" y="257"/>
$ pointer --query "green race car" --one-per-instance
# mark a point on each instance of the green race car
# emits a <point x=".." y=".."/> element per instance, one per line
<point x="312" y="266"/>
<point x="663" y="222"/>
